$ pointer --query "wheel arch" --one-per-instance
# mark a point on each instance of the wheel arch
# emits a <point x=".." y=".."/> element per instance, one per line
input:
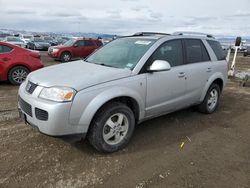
<point x="17" y="65"/>
<point x="123" y="95"/>
<point x="218" y="79"/>
<point x="63" y="51"/>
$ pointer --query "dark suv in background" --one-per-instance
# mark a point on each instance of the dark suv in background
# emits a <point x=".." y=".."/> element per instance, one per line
<point x="74" y="48"/>
<point x="247" y="51"/>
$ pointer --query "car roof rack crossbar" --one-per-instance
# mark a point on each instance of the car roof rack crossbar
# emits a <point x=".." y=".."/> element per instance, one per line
<point x="149" y="33"/>
<point x="194" y="33"/>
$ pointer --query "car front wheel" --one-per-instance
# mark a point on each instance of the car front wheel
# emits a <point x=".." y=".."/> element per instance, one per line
<point x="112" y="127"/>
<point x="17" y="75"/>
<point x="65" y="57"/>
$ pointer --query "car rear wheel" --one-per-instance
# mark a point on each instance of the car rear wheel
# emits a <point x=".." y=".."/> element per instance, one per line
<point x="112" y="127"/>
<point x="211" y="101"/>
<point x="17" y="75"/>
<point x="65" y="57"/>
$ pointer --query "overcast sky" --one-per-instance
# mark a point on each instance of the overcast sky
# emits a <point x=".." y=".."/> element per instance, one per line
<point x="219" y="17"/>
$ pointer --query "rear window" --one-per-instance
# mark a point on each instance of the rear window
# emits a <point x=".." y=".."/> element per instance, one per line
<point x="196" y="51"/>
<point x="5" y="49"/>
<point x="219" y="52"/>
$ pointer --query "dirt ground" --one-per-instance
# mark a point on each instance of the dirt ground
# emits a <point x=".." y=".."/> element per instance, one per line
<point x="216" y="149"/>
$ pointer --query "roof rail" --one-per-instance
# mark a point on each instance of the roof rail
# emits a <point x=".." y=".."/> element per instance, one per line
<point x="193" y="33"/>
<point x="149" y="34"/>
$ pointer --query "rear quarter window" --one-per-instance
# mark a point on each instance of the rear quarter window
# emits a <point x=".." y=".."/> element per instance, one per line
<point x="98" y="43"/>
<point x="5" y="49"/>
<point x="219" y="52"/>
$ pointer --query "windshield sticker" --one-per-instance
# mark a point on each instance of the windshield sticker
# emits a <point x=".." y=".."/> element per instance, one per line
<point x="129" y="65"/>
<point x="143" y="42"/>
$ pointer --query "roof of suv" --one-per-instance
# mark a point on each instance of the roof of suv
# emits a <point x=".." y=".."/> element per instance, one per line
<point x="156" y="36"/>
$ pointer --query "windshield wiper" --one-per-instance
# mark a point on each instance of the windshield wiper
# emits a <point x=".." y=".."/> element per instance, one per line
<point x="103" y="64"/>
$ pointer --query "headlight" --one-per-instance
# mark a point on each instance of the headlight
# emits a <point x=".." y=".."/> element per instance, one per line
<point x="55" y="50"/>
<point x="36" y="44"/>
<point x="58" y="94"/>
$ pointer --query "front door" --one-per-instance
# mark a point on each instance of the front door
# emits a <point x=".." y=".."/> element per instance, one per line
<point x="166" y="90"/>
<point x="78" y="49"/>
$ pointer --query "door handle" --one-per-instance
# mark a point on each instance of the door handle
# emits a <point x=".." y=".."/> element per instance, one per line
<point x="209" y="69"/>
<point x="181" y="74"/>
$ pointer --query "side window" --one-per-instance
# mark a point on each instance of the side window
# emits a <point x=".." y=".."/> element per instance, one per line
<point x="170" y="51"/>
<point x="195" y="51"/>
<point x="80" y="43"/>
<point x="89" y="43"/>
<point x="219" y="52"/>
<point x="5" y="49"/>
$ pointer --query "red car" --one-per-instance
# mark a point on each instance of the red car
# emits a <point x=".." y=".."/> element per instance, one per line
<point x="17" y="62"/>
<point x="74" y="48"/>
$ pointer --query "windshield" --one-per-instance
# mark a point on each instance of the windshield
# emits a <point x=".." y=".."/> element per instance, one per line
<point x="69" y="42"/>
<point x="38" y="40"/>
<point x="122" y="53"/>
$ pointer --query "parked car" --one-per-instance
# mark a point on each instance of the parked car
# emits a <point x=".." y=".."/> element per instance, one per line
<point x="50" y="40"/>
<point x="26" y="38"/>
<point x="127" y="81"/>
<point x="16" y="63"/>
<point x="15" y="40"/>
<point x="62" y="40"/>
<point x="247" y="51"/>
<point x="74" y="48"/>
<point x="38" y="43"/>
<point x="4" y="35"/>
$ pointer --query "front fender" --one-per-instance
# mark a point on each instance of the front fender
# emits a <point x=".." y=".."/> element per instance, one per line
<point x="88" y="103"/>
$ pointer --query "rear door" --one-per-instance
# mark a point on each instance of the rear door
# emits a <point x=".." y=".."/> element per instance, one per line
<point x="89" y="47"/>
<point x="199" y="68"/>
<point x="166" y="90"/>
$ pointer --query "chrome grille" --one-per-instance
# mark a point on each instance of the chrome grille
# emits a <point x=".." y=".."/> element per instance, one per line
<point x="30" y="87"/>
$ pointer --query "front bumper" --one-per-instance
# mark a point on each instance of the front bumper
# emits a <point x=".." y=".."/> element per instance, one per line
<point x="53" y="54"/>
<point x="56" y="123"/>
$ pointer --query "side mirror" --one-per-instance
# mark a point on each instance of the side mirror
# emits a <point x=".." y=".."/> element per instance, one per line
<point x="159" y="65"/>
<point x="75" y="45"/>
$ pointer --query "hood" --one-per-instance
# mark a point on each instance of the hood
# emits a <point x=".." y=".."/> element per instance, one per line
<point x="77" y="75"/>
<point x="12" y="42"/>
<point x="42" y="43"/>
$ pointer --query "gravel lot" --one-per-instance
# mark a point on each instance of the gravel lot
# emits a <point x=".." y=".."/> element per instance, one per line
<point x="216" y="152"/>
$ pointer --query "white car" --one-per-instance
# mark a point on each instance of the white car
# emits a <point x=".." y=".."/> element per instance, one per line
<point x="16" y="41"/>
<point x="127" y="81"/>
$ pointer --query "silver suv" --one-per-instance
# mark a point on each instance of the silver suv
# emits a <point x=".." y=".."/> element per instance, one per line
<point x="127" y="81"/>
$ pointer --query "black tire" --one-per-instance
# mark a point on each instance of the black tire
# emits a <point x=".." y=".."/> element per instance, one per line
<point x="97" y="128"/>
<point x="65" y="57"/>
<point x="204" y="107"/>
<point x="12" y="75"/>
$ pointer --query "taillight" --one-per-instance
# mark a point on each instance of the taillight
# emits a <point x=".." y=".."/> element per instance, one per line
<point x="36" y="55"/>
